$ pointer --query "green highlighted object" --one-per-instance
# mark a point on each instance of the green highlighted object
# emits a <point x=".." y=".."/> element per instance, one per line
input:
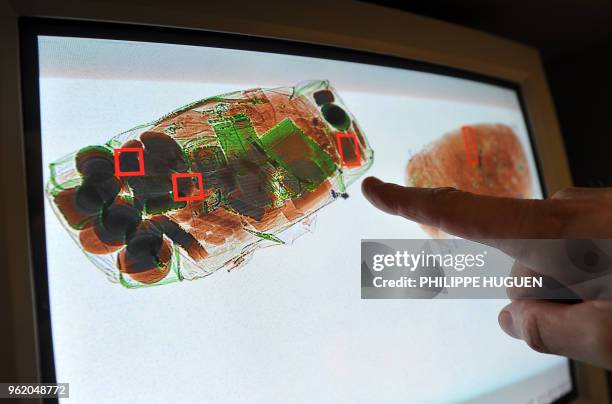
<point x="298" y="154"/>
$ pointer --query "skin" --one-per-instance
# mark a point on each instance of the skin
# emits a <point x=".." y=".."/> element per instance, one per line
<point x="582" y="331"/>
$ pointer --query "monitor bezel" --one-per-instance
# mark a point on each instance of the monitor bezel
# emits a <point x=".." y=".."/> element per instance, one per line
<point x="32" y="27"/>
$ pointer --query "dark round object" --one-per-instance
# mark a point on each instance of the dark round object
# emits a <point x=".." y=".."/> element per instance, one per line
<point x="95" y="193"/>
<point x="87" y="200"/>
<point x="186" y="186"/>
<point x="336" y="116"/>
<point x="95" y="161"/>
<point x="153" y="194"/>
<point x="175" y="232"/>
<point x="117" y="221"/>
<point x="162" y="154"/>
<point x="161" y="204"/>
<point x="143" y="246"/>
<point x="129" y="162"/>
<point x="322" y="97"/>
<point x="151" y="186"/>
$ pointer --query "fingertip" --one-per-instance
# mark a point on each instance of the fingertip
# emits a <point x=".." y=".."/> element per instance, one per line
<point x="369" y="184"/>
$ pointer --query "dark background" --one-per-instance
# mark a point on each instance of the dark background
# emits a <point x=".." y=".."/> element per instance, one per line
<point x="575" y="41"/>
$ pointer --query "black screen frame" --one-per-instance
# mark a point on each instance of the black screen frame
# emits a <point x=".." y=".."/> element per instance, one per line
<point x="32" y="27"/>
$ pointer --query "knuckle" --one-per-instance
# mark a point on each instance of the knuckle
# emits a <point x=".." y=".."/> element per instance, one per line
<point x="442" y="193"/>
<point x="559" y="214"/>
<point x="441" y="197"/>
<point x="602" y="342"/>
<point x="532" y="333"/>
<point x="565" y="193"/>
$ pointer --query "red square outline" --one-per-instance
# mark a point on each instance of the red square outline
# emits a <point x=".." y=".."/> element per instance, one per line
<point x="469" y="141"/>
<point x="141" y="168"/>
<point x="357" y="161"/>
<point x="198" y="197"/>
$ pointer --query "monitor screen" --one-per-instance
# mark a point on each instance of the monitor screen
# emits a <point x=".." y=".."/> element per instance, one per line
<point x="203" y="219"/>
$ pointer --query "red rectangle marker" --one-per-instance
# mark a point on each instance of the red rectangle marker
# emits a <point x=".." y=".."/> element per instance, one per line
<point x="175" y="193"/>
<point x="469" y="141"/>
<point x="122" y="150"/>
<point x="348" y="161"/>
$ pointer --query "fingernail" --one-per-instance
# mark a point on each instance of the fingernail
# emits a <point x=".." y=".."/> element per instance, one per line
<point x="506" y="323"/>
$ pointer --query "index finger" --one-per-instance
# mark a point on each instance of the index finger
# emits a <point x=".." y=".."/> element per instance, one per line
<point x="468" y="215"/>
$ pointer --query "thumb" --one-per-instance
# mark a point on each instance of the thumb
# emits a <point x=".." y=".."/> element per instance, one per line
<point x="579" y="331"/>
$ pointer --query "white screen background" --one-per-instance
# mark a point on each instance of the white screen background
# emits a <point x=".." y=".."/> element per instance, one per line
<point x="290" y="326"/>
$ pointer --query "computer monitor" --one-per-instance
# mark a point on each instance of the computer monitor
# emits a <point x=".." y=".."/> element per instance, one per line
<point x="287" y="322"/>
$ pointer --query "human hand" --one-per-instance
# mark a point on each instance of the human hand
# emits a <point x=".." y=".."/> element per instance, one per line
<point x="580" y="331"/>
